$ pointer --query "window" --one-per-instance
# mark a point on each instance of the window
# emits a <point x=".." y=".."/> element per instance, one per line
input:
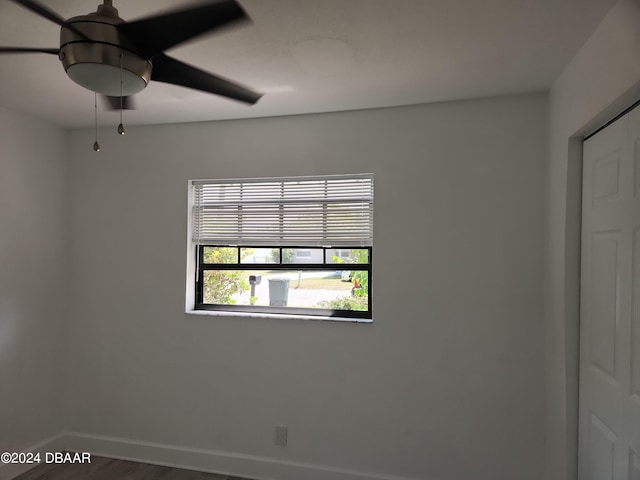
<point x="300" y="245"/>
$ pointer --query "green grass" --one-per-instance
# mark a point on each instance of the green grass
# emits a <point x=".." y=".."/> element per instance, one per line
<point x="330" y="283"/>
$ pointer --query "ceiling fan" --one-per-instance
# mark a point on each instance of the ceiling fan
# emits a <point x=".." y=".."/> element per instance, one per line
<point x="117" y="59"/>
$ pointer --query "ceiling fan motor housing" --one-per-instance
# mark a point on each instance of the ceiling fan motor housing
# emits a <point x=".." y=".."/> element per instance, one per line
<point x="96" y="56"/>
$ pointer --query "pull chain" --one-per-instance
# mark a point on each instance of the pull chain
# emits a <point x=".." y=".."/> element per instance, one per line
<point x="121" y="126"/>
<point x="96" y="145"/>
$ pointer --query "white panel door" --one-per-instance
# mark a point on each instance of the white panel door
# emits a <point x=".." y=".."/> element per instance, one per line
<point x="609" y="443"/>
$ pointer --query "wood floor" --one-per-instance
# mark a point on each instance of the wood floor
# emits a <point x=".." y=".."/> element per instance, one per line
<point x="102" y="468"/>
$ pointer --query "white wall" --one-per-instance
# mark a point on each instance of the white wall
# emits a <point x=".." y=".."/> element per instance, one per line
<point x="601" y="80"/>
<point x="33" y="275"/>
<point x="446" y="384"/>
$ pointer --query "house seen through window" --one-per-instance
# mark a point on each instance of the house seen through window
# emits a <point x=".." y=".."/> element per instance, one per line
<point x="298" y="245"/>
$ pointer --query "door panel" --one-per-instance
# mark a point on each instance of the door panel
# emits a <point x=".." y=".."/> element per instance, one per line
<point x="602" y="443"/>
<point x="604" y="300"/>
<point x="606" y="178"/>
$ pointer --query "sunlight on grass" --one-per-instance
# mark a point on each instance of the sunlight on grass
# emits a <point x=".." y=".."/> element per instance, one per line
<point x="330" y="283"/>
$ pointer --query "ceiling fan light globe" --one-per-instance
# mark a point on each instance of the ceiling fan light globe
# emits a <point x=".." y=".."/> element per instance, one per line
<point x="106" y="79"/>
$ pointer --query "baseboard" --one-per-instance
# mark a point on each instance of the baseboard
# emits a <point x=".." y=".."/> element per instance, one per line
<point x="224" y="463"/>
<point x="53" y="444"/>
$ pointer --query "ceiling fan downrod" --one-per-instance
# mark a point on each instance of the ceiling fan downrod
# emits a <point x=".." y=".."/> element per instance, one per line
<point x="107" y="9"/>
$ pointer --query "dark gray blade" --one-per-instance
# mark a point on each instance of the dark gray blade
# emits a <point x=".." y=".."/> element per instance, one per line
<point x="154" y="35"/>
<point x="170" y="70"/>
<point x="52" y="51"/>
<point x="113" y="103"/>
<point x="43" y="11"/>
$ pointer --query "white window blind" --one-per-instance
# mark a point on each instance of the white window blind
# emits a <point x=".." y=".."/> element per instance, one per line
<point x="297" y="211"/>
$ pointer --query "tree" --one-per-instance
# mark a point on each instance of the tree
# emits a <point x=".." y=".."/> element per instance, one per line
<point x="221" y="285"/>
<point x="360" y="278"/>
<point x="287" y="255"/>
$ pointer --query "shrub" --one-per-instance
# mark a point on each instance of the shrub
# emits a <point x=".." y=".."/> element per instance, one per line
<point x="346" y="303"/>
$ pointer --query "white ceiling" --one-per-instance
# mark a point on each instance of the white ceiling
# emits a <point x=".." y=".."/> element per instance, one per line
<point x="318" y="55"/>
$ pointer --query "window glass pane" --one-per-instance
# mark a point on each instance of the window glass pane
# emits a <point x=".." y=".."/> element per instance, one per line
<point x="348" y="255"/>
<point x="326" y="289"/>
<point x="260" y="255"/>
<point x="220" y="255"/>
<point x="302" y="255"/>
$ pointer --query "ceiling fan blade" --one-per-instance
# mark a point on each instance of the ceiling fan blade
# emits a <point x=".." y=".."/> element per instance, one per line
<point x="52" y="51"/>
<point x="153" y="35"/>
<point x="38" y="8"/>
<point x="170" y="70"/>
<point x="113" y="103"/>
<point x="41" y="10"/>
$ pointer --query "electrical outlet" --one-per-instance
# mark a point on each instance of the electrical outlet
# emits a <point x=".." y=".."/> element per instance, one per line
<point x="281" y="436"/>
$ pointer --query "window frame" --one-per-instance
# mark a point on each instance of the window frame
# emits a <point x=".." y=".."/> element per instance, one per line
<point x="354" y="315"/>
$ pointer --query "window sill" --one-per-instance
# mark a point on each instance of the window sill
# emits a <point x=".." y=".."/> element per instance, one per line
<point x="226" y="313"/>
